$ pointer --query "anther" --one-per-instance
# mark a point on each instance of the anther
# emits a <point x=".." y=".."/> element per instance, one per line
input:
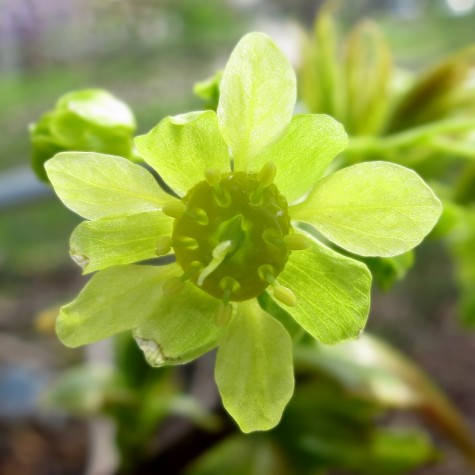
<point x="173" y="285"/>
<point x="198" y="214"/>
<point x="296" y="242"/>
<point x="185" y="242"/>
<point x="284" y="295"/>
<point x="164" y="244"/>
<point x="267" y="174"/>
<point x="174" y="209"/>
<point x="223" y="314"/>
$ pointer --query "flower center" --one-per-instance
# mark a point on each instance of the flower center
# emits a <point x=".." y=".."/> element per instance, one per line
<point x="229" y="238"/>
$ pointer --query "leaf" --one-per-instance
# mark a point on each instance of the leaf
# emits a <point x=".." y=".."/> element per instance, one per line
<point x="239" y="455"/>
<point x="258" y="92"/>
<point x="97" y="186"/>
<point x="114" y="300"/>
<point x="333" y="292"/>
<point x="254" y="368"/>
<point x="181" y="148"/>
<point x="108" y="242"/>
<point x="181" y="328"/>
<point x="303" y="153"/>
<point x="372" y="209"/>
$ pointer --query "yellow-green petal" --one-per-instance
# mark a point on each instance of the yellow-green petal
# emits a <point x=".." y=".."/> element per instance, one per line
<point x="258" y="92"/>
<point x="181" y="148"/>
<point x="113" y="301"/>
<point x="333" y="292"/>
<point x="303" y="153"/>
<point x="372" y="209"/>
<point x="181" y="329"/>
<point x="95" y="185"/>
<point x="107" y="242"/>
<point x="254" y="368"/>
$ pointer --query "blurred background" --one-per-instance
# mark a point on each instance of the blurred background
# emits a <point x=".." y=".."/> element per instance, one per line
<point x="150" y="53"/>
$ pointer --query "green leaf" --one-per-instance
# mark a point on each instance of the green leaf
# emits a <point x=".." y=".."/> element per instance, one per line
<point x="208" y="90"/>
<point x="239" y="455"/>
<point x="114" y="300"/>
<point x="180" y="148"/>
<point x="303" y="153"/>
<point x="181" y="328"/>
<point x="108" y="242"/>
<point x="98" y="186"/>
<point x="254" y="368"/>
<point x="333" y="292"/>
<point x="258" y="92"/>
<point x="372" y="209"/>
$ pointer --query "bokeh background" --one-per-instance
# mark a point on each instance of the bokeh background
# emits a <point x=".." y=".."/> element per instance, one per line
<point x="149" y="53"/>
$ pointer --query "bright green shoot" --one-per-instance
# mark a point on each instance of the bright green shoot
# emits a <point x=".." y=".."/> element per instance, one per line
<point x="244" y="178"/>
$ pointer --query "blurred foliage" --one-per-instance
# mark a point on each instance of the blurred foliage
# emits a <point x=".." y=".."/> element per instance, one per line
<point x="424" y="121"/>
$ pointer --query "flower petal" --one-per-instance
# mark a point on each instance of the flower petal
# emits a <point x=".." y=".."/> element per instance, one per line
<point x="108" y="242"/>
<point x="333" y="292"/>
<point x="258" y="92"/>
<point x="372" y="209"/>
<point x="114" y="300"/>
<point x="180" y="148"/>
<point x="303" y="153"/>
<point x="254" y="368"/>
<point x="181" y="329"/>
<point x="98" y="186"/>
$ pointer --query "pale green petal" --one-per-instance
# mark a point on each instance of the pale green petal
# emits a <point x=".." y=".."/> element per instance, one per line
<point x="114" y="300"/>
<point x="95" y="186"/>
<point x="108" y="242"/>
<point x="303" y="153"/>
<point x="333" y="292"/>
<point x="254" y="368"/>
<point x="372" y="209"/>
<point x="257" y="99"/>
<point x="181" y="329"/>
<point x="180" y="148"/>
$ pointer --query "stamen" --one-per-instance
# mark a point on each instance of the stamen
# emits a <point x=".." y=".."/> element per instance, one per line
<point x="223" y="314"/>
<point x="164" y="244"/>
<point x="267" y="174"/>
<point x="195" y="267"/>
<point x="273" y="237"/>
<point x="199" y="215"/>
<point x="284" y="295"/>
<point x="266" y="273"/>
<point x="296" y="242"/>
<point x="174" y="209"/>
<point x="229" y="285"/>
<point x="175" y="284"/>
<point x="185" y="242"/>
<point x="219" y="254"/>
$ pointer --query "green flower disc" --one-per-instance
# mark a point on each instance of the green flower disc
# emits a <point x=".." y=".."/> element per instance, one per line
<point x="247" y="220"/>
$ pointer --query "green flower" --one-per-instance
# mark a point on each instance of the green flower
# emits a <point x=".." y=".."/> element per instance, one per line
<point x="90" y="119"/>
<point x="245" y="179"/>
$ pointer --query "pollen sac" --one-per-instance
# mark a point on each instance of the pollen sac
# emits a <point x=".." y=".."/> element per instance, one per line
<point x="243" y="224"/>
